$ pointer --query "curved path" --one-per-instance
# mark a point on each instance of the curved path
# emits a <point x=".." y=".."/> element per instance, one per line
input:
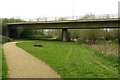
<point x="21" y="64"/>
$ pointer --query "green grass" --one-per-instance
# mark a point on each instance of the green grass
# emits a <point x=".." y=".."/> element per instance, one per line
<point x="71" y="60"/>
<point x="0" y="62"/>
<point x="4" y="67"/>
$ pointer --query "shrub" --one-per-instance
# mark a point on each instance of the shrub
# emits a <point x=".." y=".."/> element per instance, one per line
<point x="4" y="39"/>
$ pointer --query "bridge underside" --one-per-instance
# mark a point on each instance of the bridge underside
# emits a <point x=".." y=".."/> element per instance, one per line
<point x="16" y="33"/>
<point x="14" y="30"/>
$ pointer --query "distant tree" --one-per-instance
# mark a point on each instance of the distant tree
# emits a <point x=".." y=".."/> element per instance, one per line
<point x="30" y="20"/>
<point x="75" y="33"/>
<point x="88" y="16"/>
<point x="111" y="34"/>
<point x="62" y="19"/>
<point x="54" y="33"/>
<point x="38" y="19"/>
<point x="87" y="35"/>
<point x="41" y="19"/>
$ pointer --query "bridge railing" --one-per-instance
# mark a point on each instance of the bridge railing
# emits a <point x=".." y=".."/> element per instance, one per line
<point x="85" y="17"/>
<point x="75" y="18"/>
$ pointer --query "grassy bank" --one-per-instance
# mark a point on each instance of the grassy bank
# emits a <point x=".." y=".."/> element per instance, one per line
<point x="4" y="67"/>
<point x="0" y="62"/>
<point x="71" y="60"/>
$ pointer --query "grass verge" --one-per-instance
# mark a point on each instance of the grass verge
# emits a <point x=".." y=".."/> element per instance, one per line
<point x="4" y="67"/>
<point x="0" y="62"/>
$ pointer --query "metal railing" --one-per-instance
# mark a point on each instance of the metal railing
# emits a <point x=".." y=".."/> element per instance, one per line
<point x="75" y="18"/>
<point x="85" y="17"/>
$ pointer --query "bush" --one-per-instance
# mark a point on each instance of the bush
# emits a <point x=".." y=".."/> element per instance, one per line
<point x="4" y="39"/>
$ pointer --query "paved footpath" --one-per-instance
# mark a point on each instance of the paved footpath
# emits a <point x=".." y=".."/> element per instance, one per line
<point x="21" y="64"/>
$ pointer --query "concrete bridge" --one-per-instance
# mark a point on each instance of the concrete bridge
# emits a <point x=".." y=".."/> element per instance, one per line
<point x="17" y="28"/>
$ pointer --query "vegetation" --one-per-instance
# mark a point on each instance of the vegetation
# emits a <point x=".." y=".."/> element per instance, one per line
<point x="106" y="48"/>
<point x="92" y="56"/>
<point x="71" y="60"/>
<point x="34" y="33"/>
<point x="4" y="67"/>
<point x="5" y="39"/>
<point x="0" y="63"/>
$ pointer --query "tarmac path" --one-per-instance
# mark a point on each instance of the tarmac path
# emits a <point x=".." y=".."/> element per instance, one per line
<point x="21" y="64"/>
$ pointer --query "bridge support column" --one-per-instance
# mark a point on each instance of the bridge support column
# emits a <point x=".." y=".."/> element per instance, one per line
<point x="19" y="31"/>
<point x="65" y="35"/>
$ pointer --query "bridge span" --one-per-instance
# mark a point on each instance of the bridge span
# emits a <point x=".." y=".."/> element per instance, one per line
<point x="17" y="28"/>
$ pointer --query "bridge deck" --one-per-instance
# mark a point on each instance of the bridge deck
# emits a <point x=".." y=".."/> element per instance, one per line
<point x="69" y="24"/>
<point x="65" y="21"/>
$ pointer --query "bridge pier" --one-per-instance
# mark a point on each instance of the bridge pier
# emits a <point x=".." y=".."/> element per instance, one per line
<point x="65" y="35"/>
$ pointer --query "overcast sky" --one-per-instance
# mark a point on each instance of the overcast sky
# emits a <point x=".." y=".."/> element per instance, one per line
<point x="56" y="8"/>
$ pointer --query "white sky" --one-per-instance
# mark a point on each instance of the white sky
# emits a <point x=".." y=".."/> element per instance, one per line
<point x="56" y="8"/>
